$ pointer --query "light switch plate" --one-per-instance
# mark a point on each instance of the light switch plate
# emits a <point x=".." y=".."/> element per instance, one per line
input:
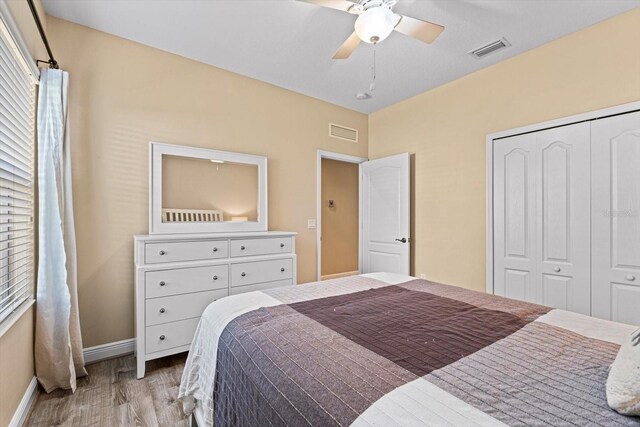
<point x="311" y="224"/>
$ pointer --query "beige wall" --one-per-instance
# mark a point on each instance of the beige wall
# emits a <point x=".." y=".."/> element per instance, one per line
<point x="17" y="368"/>
<point x="340" y="223"/>
<point x="189" y="183"/>
<point x="16" y="345"/>
<point x="123" y="95"/>
<point x="446" y="127"/>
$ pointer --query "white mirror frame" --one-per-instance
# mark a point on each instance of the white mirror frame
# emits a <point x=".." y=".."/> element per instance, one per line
<point x="156" y="226"/>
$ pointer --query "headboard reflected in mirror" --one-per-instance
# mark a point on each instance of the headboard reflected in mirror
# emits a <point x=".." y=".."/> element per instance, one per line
<point x="198" y="190"/>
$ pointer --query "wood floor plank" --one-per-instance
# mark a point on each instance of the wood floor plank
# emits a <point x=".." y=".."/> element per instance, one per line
<point x="140" y="403"/>
<point x="112" y="396"/>
<point x="164" y="392"/>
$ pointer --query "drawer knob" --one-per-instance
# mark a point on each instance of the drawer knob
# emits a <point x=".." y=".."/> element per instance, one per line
<point x="630" y="278"/>
<point x="242" y="248"/>
<point x="162" y="283"/>
<point x="282" y="245"/>
<point x="282" y="269"/>
<point x="162" y="253"/>
<point x="215" y="249"/>
<point x="161" y="337"/>
<point x="215" y="277"/>
<point x="162" y="310"/>
<point x="243" y="274"/>
<point x="557" y="269"/>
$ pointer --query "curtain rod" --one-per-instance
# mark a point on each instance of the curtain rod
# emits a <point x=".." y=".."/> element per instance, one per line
<point x="52" y="62"/>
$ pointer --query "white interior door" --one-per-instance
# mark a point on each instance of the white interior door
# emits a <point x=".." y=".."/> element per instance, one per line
<point x="563" y="218"/>
<point x="514" y="207"/>
<point x="385" y="215"/>
<point x="615" y="147"/>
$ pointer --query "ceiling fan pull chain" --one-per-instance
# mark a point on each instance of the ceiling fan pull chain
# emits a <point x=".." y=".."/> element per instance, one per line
<point x="372" y="86"/>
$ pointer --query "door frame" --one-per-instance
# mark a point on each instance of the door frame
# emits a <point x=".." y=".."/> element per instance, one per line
<point x="342" y="158"/>
<point x="588" y="116"/>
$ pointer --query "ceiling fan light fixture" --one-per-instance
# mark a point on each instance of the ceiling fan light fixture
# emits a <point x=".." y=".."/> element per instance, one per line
<point x="375" y="24"/>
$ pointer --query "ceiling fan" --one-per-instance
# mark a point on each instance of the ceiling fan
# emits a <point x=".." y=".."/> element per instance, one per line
<point x="376" y="20"/>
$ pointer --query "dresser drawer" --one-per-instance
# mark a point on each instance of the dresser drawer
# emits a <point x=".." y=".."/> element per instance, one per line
<point x="156" y="253"/>
<point x="248" y="273"/>
<point x="180" y="307"/>
<point x="271" y="245"/>
<point x="170" y="335"/>
<point x="176" y="281"/>
<point x="260" y="286"/>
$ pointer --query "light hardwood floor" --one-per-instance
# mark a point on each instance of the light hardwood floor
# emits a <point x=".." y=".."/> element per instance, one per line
<point x="112" y="396"/>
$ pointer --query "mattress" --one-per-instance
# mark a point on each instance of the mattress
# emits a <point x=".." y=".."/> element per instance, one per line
<point x="387" y="350"/>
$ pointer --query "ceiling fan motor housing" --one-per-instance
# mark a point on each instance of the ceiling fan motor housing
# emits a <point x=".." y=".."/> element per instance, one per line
<point x="368" y="4"/>
<point x="376" y="21"/>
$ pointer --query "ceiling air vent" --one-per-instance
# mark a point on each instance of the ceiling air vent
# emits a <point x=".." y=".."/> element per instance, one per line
<point x="490" y="48"/>
<point x="343" y="132"/>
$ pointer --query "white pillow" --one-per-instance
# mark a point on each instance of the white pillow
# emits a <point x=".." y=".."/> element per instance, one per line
<point x="623" y="383"/>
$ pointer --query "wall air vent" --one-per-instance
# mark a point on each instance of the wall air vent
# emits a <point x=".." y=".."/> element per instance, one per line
<point x="343" y="132"/>
<point x="495" y="46"/>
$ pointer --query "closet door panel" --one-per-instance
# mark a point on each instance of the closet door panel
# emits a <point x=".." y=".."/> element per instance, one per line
<point x="616" y="218"/>
<point x="625" y="303"/>
<point x="516" y="283"/>
<point x="557" y="291"/>
<point x="556" y="201"/>
<point x="514" y="217"/>
<point x="625" y="198"/>
<point x="563" y="217"/>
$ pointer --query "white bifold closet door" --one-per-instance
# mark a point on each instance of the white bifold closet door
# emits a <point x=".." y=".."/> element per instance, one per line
<point x="616" y="218"/>
<point x="542" y="217"/>
<point x="514" y="217"/>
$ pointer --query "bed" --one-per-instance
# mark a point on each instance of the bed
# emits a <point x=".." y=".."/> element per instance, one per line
<point x="391" y="350"/>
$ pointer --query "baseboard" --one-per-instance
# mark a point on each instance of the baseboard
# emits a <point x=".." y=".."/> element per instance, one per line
<point x="339" y="275"/>
<point x="20" y="416"/>
<point x="109" y="350"/>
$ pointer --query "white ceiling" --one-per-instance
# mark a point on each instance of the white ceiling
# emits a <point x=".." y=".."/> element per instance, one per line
<point x="290" y="44"/>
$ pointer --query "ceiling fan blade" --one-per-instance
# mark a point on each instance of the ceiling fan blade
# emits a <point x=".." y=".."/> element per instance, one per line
<point x="421" y="30"/>
<point x="347" y="47"/>
<point x="342" y="5"/>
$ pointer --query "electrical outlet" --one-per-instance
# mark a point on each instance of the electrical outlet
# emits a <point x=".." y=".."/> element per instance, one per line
<point x="311" y="224"/>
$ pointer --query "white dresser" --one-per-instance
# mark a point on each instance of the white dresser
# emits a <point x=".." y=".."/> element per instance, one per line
<point x="178" y="276"/>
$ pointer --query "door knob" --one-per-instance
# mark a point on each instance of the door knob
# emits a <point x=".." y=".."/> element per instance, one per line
<point x="630" y="278"/>
<point x="403" y="240"/>
<point x="557" y="269"/>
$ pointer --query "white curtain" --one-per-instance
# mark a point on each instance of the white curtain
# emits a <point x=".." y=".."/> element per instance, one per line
<point x="58" y="343"/>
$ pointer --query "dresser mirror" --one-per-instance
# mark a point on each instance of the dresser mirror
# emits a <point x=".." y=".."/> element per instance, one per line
<point x="197" y="190"/>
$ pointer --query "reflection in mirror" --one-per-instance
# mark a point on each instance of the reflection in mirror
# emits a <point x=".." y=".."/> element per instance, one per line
<point x="205" y="190"/>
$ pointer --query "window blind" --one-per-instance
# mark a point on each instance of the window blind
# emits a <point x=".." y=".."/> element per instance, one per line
<point x="17" y="127"/>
